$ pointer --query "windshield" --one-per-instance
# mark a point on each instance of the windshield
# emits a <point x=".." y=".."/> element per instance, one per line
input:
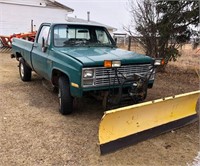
<point x="81" y="35"/>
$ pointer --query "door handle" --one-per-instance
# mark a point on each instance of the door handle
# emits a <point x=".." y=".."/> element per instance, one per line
<point x="49" y="62"/>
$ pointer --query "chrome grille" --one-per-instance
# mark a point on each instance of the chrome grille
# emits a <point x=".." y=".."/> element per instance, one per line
<point x="104" y="76"/>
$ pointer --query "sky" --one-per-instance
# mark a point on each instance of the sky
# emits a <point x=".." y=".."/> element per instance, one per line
<point x="109" y="12"/>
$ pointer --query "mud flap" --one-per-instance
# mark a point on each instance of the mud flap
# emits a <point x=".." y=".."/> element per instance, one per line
<point x="129" y="125"/>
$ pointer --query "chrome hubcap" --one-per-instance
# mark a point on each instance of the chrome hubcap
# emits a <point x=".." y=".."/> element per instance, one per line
<point x="59" y="96"/>
<point x="22" y="70"/>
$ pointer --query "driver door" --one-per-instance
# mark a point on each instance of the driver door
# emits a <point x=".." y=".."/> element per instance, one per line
<point x="39" y="57"/>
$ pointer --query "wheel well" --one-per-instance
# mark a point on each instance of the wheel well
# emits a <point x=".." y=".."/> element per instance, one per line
<point x="55" y="76"/>
<point x="18" y="55"/>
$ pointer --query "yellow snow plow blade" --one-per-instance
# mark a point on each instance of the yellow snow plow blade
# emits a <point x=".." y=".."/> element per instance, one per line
<point x="128" y="125"/>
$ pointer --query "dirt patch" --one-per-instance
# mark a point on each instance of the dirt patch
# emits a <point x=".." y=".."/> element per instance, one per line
<point x="34" y="133"/>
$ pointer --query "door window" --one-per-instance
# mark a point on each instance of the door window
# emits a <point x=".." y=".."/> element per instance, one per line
<point x="44" y="32"/>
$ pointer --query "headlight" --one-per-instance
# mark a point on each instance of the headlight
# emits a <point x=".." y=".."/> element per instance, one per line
<point x="88" y="73"/>
<point x="159" y="62"/>
<point x="151" y="72"/>
<point x="88" y="82"/>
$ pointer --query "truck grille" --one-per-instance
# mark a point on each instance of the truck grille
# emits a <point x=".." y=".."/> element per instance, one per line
<point x="105" y="76"/>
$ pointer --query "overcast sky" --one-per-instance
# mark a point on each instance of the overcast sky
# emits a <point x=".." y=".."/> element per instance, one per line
<point x="110" y="12"/>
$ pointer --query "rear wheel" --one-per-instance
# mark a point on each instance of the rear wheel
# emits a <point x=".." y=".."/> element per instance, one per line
<point x="24" y="71"/>
<point x="64" y="96"/>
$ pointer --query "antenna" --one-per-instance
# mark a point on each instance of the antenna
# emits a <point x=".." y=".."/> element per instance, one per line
<point x="88" y="16"/>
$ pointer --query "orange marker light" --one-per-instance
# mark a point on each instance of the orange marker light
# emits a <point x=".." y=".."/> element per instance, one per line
<point x="107" y="63"/>
<point x="162" y="62"/>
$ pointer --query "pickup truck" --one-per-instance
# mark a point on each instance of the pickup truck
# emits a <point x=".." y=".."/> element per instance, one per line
<point x="80" y="59"/>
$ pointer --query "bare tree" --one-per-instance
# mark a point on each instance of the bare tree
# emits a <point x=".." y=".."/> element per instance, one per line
<point x="144" y="21"/>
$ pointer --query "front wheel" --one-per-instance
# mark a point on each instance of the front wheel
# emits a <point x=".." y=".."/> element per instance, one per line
<point x="24" y="71"/>
<point x="64" y="96"/>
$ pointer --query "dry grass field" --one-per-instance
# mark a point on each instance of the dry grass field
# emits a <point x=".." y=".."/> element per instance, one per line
<point x="34" y="133"/>
<point x="190" y="59"/>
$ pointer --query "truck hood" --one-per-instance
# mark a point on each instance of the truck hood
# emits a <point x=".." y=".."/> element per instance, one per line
<point x="95" y="56"/>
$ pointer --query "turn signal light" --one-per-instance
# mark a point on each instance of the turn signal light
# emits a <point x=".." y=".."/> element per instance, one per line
<point x="162" y="62"/>
<point x="107" y="63"/>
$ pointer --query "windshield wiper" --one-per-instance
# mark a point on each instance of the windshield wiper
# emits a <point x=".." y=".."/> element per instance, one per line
<point x="100" y="45"/>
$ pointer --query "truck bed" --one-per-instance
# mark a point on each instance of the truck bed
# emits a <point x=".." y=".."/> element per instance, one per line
<point x="23" y="47"/>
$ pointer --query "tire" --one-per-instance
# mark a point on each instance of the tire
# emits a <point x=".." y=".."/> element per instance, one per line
<point x="24" y="71"/>
<point x="64" y="96"/>
<point x="1" y="44"/>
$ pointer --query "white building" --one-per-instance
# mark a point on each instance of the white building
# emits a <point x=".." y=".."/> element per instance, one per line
<point x="16" y="15"/>
<point x="109" y="28"/>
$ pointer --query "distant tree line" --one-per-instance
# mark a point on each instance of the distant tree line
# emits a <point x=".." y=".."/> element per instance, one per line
<point x="163" y="26"/>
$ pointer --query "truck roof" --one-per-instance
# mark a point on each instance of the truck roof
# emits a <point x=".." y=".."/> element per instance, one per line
<point x="77" y="23"/>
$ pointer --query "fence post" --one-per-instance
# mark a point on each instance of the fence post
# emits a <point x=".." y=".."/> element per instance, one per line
<point x="129" y="43"/>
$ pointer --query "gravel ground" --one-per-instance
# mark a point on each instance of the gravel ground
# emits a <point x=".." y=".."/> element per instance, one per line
<point x="34" y="133"/>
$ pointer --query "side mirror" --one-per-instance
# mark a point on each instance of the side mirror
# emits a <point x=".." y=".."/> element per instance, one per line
<point x="44" y="45"/>
<point x="115" y="40"/>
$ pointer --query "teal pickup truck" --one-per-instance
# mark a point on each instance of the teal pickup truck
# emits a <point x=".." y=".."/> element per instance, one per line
<point x="80" y="59"/>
